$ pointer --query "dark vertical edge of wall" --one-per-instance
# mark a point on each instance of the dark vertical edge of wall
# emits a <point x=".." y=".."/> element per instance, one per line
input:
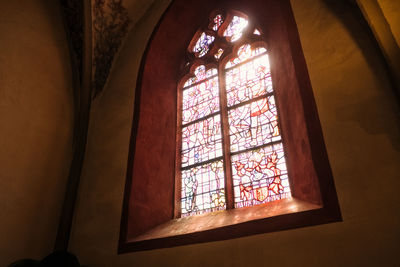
<point x="81" y="124"/>
<point x="389" y="59"/>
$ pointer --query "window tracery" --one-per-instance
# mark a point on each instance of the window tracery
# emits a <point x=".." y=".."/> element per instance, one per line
<point x="232" y="153"/>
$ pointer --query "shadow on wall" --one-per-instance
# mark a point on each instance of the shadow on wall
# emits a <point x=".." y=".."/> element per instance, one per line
<point x="55" y="259"/>
<point x="350" y="15"/>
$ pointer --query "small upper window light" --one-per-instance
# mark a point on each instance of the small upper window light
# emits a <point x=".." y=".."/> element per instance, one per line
<point x="235" y="28"/>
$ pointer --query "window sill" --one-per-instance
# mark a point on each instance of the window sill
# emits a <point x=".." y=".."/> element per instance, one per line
<point x="228" y="224"/>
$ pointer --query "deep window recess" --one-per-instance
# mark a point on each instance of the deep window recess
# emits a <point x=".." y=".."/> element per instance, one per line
<point x="232" y="153"/>
<point x="253" y="124"/>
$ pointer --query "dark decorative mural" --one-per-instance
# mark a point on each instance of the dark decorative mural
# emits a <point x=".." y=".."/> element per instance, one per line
<point x="110" y="25"/>
<point x="92" y="48"/>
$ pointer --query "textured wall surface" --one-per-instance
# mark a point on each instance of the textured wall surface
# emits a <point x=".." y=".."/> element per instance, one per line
<point x="36" y="120"/>
<point x="391" y="10"/>
<point x="360" y="121"/>
<point x="383" y="19"/>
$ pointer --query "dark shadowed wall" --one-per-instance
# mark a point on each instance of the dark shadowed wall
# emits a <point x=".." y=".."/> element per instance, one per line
<point x="36" y="120"/>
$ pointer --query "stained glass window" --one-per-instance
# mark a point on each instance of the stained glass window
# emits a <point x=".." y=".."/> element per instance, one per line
<point x="200" y="98"/>
<point x="254" y="124"/>
<point x="219" y="53"/>
<point x="235" y="28"/>
<point x="203" y="189"/>
<point x="230" y="120"/>
<point x="217" y="22"/>
<point x="200" y="74"/>
<point x="201" y="141"/>
<point x="203" y="44"/>
<point x="260" y="176"/>
<point x="201" y="151"/>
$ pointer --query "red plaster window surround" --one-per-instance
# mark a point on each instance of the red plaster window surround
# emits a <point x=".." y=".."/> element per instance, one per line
<point x="149" y="217"/>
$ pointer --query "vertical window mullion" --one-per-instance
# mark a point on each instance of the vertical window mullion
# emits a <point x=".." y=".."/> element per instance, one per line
<point x="229" y="195"/>
<point x="178" y="157"/>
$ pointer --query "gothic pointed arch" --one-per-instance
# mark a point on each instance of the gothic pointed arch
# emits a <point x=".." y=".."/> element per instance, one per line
<point x="190" y="45"/>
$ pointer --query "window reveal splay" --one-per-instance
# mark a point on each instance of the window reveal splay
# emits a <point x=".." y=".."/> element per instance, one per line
<point x="227" y="150"/>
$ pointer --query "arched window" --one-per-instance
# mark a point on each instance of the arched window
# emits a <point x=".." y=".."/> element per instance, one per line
<point x="217" y="112"/>
<point x="232" y="153"/>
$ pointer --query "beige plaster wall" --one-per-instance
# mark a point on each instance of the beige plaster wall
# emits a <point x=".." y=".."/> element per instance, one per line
<point x="391" y="11"/>
<point x="360" y="121"/>
<point x="383" y="19"/>
<point x="36" y="120"/>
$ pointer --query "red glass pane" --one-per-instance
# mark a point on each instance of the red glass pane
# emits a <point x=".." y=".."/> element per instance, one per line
<point x="260" y="176"/>
<point x="217" y="22"/>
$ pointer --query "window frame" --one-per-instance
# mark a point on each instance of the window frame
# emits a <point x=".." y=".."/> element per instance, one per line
<point x="230" y="51"/>
<point x="148" y="218"/>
